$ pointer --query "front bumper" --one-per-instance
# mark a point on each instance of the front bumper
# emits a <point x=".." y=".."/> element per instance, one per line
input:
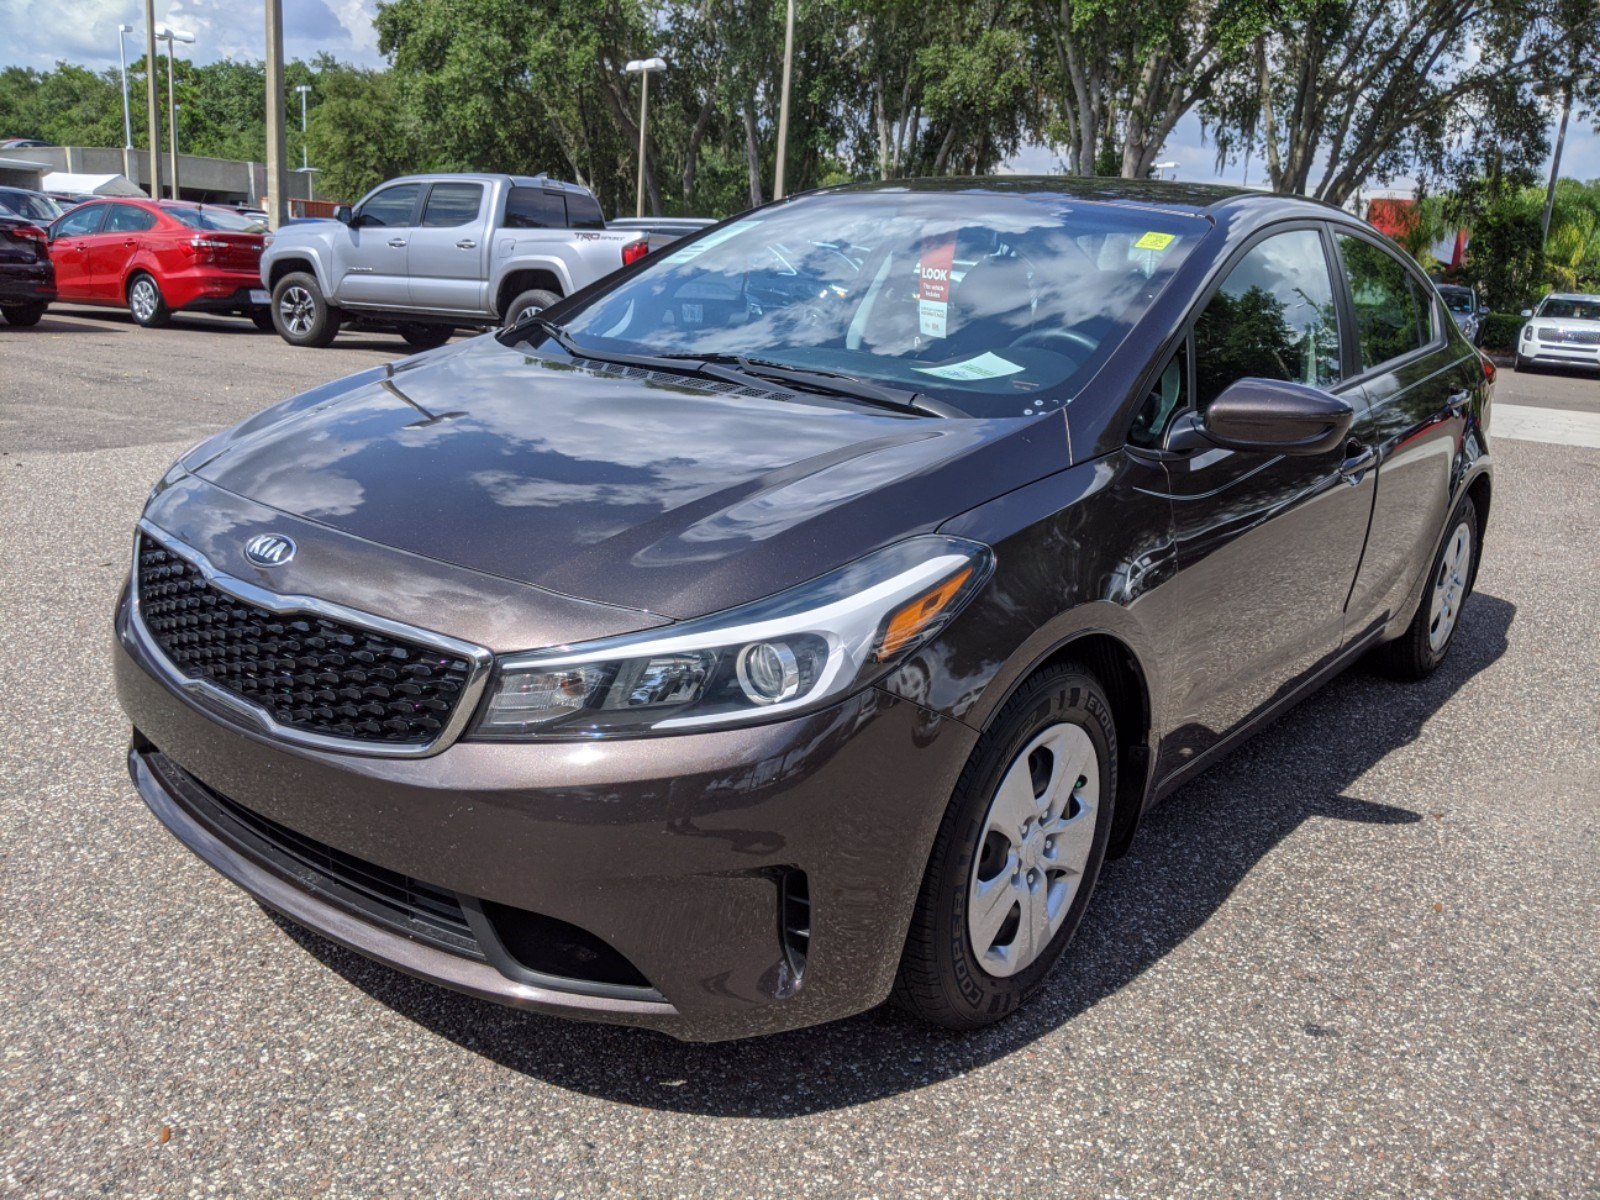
<point x="1558" y="354"/>
<point x="670" y="850"/>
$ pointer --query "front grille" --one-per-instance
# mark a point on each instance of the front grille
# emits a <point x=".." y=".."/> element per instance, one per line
<point x="308" y="672"/>
<point x="1569" y="337"/>
<point x="399" y="902"/>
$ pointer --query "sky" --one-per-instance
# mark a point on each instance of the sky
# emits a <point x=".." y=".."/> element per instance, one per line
<point x="39" y="32"/>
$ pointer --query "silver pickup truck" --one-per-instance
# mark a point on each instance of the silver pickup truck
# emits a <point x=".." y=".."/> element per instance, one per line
<point x="426" y="254"/>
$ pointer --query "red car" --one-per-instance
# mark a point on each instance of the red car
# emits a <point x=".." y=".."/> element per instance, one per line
<point x="156" y="258"/>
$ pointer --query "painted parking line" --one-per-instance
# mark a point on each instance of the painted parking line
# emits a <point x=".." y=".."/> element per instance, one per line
<point x="1527" y="423"/>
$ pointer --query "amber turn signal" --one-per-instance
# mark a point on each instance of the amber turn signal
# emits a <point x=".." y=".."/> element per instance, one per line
<point x="915" y="617"/>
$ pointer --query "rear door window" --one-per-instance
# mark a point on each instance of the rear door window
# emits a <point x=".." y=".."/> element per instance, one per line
<point x="583" y="212"/>
<point x="1393" y="313"/>
<point x="535" y="208"/>
<point x="126" y="218"/>
<point x="392" y="206"/>
<point x="451" y="204"/>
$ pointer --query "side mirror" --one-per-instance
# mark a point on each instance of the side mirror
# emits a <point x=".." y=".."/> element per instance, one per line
<point x="343" y="215"/>
<point x="1266" y="416"/>
<point x="1527" y="312"/>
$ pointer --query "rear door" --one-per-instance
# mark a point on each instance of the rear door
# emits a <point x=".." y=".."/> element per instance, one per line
<point x="71" y="238"/>
<point x="112" y="249"/>
<point x="449" y="250"/>
<point x="370" y="260"/>
<point x="1417" y="381"/>
<point x="1267" y="544"/>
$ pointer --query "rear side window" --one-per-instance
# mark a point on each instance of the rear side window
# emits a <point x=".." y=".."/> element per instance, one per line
<point x="392" y="206"/>
<point x="1274" y="318"/>
<point x="125" y="218"/>
<point x="535" y="208"/>
<point x="452" y="204"/>
<point x="583" y="212"/>
<point x="1393" y="314"/>
<point x="81" y="221"/>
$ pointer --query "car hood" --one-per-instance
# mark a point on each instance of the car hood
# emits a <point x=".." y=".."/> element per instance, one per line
<point x="672" y="495"/>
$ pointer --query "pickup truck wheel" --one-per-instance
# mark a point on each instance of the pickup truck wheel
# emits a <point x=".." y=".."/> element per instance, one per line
<point x="146" y="303"/>
<point x="426" y="337"/>
<point x="22" y="314"/>
<point x="301" y="313"/>
<point x="529" y="302"/>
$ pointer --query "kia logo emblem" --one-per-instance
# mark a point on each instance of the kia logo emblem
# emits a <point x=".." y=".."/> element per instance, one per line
<point x="269" y="549"/>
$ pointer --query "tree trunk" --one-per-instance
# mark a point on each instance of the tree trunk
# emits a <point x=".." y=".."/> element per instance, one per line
<point x="691" y="155"/>
<point x="752" y="154"/>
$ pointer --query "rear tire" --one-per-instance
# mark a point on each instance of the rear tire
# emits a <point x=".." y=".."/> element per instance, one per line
<point x="301" y="313"/>
<point x="1013" y="835"/>
<point x="529" y="302"/>
<point x="262" y="318"/>
<point x="426" y="337"/>
<point x="22" y="315"/>
<point x="1417" y="652"/>
<point x="146" y="303"/>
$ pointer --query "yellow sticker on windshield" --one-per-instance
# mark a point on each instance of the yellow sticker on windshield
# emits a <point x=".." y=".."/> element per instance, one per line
<point x="1155" y="241"/>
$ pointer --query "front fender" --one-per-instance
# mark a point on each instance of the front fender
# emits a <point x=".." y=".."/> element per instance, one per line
<point x="312" y="251"/>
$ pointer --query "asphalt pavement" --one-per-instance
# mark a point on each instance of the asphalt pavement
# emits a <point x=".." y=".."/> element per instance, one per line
<point x="1360" y="958"/>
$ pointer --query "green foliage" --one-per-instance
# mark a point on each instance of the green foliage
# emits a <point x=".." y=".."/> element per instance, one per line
<point x="1499" y="331"/>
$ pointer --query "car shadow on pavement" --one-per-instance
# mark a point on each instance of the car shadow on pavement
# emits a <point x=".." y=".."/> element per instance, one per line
<point x="1189" y="856"/>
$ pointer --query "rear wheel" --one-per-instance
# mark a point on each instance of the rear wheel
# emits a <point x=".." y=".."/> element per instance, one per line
<point x="22" y="314"/>
<point x="301" y="313"/>
<point x="1422" y="647"/>
<point x="146" y="303"/>
<point x="1016" y="858"/>
<point x="426" y="337"/>
<point x="528" y="303"/>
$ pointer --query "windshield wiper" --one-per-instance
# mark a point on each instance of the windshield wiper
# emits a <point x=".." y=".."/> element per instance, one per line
<point x="738" y="368"/>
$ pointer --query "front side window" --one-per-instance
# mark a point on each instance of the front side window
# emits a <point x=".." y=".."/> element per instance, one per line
<point x="534" y="208"/>
<point x="81" y="221"/>
<point x="125" y="218"/>
<point x="451" y="204"/>
<point x="1000" y="305"/>
<point x="1273" y="318"/>
<point x="1168" y="396"/>
<point x="1392" y="312"/>
<point x="392" y="206"/>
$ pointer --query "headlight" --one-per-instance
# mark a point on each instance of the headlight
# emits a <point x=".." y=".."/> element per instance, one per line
<point x="797" y="650"/>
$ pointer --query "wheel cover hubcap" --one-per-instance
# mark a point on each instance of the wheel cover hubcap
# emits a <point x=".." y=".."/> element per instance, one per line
<point x="297" y="309"/>
<point x="1033" y="849"/>
<point x="144" y="299"/>
<point x="1450" y="586"/>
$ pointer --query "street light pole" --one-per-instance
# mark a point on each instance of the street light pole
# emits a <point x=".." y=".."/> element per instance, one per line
<point x="783" y="103"/>
<point x="275" y="149"/>
<point x="643" y="67"/>
<point x="127" y="116"/>
<point x="171" y="36"/>
<point x="305" y="153"/>
<point x="152" y="98"/>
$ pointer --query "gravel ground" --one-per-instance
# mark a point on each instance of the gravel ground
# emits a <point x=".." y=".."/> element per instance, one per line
<point x="1359" y="958"/>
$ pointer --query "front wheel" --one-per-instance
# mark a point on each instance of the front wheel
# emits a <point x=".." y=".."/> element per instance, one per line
<point x="1422" y="647"/>
<point x="22" y="314"/>
<point x="1017" y="855"/>
<point x="146" y="303"/>
<point x="301" y="313"/>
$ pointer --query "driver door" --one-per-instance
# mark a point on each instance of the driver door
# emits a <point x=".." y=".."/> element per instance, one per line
<point x="372" y="260"/>
<point x="71" y="239"/>
<point x="1268" y="545"/>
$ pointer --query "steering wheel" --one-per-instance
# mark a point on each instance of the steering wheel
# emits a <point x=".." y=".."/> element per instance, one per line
<point x="1059" y="340"/>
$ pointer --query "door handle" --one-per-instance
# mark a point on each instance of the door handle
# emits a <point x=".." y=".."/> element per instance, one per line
<point x="466" y="244"/>
<point x="1457" y="404"/>
<point x="397" y="242"/>
<point x="129" y="242"/>
<point x="1358" y="459"/>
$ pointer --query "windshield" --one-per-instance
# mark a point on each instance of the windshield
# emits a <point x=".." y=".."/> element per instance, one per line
<point x="214" y="218"/>
<point x="1578" y="308"/>
<point x="29" y="206"/>
<point x="997" y="305"/>
<point x="1457" y="299"/>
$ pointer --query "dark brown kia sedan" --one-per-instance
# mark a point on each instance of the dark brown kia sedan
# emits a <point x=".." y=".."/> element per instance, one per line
<point x="800" y="616"/>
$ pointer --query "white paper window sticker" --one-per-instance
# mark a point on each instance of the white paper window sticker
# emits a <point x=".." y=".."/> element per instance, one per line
<point x="694" y="251"/>
<point x="933" y="289"/>
<point x="987" y="365"/>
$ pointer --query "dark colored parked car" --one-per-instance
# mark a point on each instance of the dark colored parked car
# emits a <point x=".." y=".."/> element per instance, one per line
<point x="803" y="614"/>
<point x="27" y="280"/>
<point x="155" y="258"/>
<point x="1467" y="307"/>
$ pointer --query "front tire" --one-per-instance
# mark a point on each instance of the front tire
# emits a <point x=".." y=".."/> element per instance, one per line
<point x="22" y="315"/>
<point x="528" y="303"/>
<point x="1417" y="652"/>
<point x="145" y="302"/>
<point x="426" y="337"/>
<point x="301" y="313"/>
<point x="1017" y="855"/>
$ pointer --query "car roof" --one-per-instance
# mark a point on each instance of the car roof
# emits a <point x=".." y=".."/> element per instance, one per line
<point x="543" y="181"/>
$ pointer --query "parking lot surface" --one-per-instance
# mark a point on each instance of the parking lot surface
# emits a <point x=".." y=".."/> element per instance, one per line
<point x="1359" y="958"/>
